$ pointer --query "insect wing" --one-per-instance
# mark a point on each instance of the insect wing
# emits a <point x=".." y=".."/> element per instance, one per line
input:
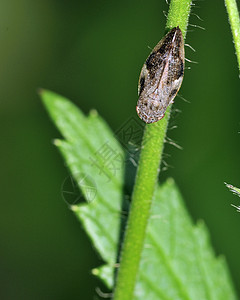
<point x="161" y="77"/>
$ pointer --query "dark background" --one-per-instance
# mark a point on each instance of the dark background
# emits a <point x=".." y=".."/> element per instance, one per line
<point x="92" y="52"/>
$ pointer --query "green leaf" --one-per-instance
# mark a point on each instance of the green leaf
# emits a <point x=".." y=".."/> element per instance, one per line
<point x="177" y="261"/>
<point x="87" y="142"/>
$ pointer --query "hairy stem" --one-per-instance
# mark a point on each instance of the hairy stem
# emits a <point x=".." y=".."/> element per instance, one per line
<point x="147" y="173"/>
<point x="234" y="21"/>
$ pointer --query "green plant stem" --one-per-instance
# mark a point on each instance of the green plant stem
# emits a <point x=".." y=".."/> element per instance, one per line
<point x="147" y="173"/>
<point x="234" y="21"/>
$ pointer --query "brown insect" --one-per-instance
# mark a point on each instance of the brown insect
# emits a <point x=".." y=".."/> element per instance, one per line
<point x="161" y="77"/>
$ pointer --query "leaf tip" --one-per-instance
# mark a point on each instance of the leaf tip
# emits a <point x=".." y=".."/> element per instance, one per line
<point x="45" y="96"/>
<point x="95" y="271"/>
<point x="93" y="113"/>
<point x="57" y="142"/>
<point x="170" y="181"/>
<point x="74" y="208"/>
<point x="40" y="91"/>
<point x="48" y="97"/>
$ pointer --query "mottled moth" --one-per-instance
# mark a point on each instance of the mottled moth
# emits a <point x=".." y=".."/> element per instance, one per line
<point x="161" y="77"/>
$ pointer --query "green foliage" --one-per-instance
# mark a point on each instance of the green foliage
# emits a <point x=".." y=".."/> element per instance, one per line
<point x="85" y="137"/>
<point x="177" y="261"/>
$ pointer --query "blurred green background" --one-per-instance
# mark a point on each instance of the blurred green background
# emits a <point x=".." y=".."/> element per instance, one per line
<point x="92" y="52"/>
